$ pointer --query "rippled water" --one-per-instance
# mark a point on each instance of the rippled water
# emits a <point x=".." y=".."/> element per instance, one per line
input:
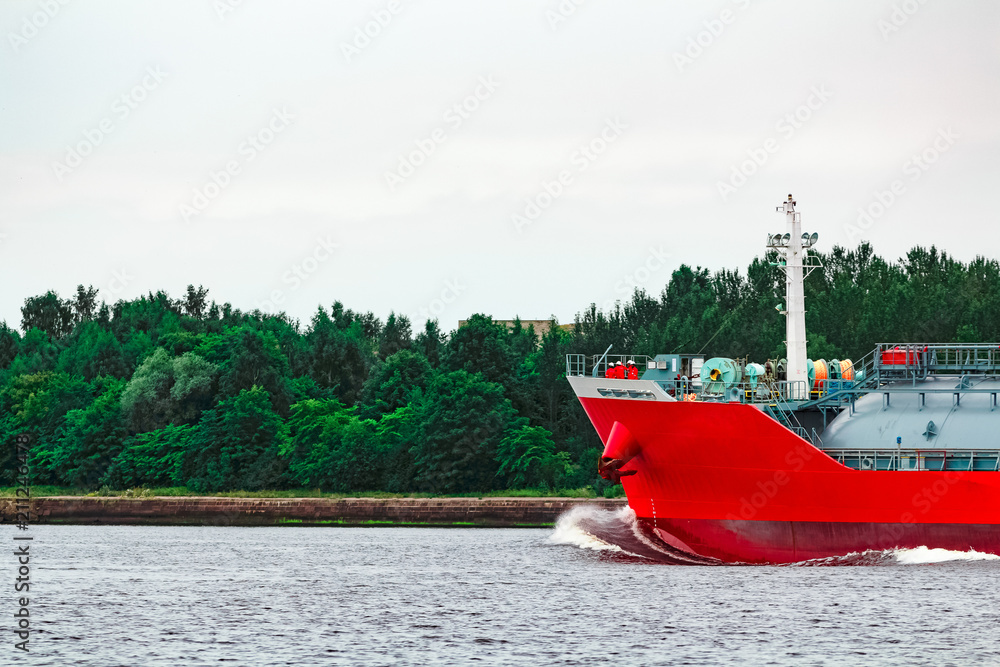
<point x="309" y="596"/>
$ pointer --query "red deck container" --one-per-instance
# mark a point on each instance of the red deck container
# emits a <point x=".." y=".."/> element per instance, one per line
<point x="894" y="357"/>
<point x="899" y="357"/>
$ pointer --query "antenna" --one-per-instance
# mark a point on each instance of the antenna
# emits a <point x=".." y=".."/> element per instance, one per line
<point x="797" y="263"/>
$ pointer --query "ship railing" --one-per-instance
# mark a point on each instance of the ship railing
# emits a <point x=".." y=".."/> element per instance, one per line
<point x="915" y="362"/>
<point x="800" y="431"/>
<point x="784" y="414"/>
<point x="973" y="460"/>
<point x="918" y="360"/>
<point x="760" y="392"/>
<point x="576" y="365"/>
<point x="890" y="363"/>
<point x="583" y="365"/>
<point x="864" y="371"/>
<point x="846" y="395"/>
<point x="832" y="390"/>
<point x="838" y="391"/>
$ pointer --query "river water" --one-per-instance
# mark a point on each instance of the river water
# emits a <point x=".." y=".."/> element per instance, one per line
<point x="152" y="595"/>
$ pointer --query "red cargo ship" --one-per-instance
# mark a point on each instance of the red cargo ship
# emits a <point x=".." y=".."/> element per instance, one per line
<point x="796" y="459"/>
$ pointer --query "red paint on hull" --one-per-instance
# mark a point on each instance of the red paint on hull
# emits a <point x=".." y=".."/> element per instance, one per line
<point x="731" y="483"/>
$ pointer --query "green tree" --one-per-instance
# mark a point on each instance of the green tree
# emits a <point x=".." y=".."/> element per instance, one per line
<point x="146" y="401"/>
<point x="195" y="301"/>
<point x="155" y="458"/>
<point x="481" y="346"/>
<point x="392" y="383"/>
<point x="463" y="419"/>
<point x="94" y="436"/>
<point x="396" y="436"/>
<point x="341" y="353"/>
<point x="430" y="342"/>
<point x="396" y="336"/>
<point x="237" y="445"/>
<point x="93" y="351"/>
<point x="151" y="314"/>
<point x="167" y="390"/>
<point x="522" y="341"/>
<point x="37" y="354"/>
<point x="306" y="424"/>
<point x="250" y="358"/>
<point x="37" y="404"/>
<point x="344" y="457"/>
<point x="48" y="313"/>
<point x="10" y="343"/>
<point x="304" y="388"/>
<point x="528" y="458"/>
<point x="85" y="303"/>
<point x="550" y="365"/>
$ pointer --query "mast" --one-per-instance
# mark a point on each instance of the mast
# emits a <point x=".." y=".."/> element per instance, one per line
<point x="793" y="246"/>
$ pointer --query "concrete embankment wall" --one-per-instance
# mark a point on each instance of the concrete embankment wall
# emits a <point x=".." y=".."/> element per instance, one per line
<point x="484" y="512"/>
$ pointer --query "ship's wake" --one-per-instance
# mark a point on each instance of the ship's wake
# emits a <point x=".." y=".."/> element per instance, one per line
<point x="617" y="535"/>
<point x="917" y="556"/>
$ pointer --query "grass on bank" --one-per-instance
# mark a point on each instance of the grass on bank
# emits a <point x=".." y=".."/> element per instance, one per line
<point x="178" y="491"/>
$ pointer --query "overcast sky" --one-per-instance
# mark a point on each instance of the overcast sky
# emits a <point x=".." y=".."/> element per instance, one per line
<point x="513" y="158"/>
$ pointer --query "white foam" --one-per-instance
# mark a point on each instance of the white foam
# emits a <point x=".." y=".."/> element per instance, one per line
<point x="568" y="531"/>
<point x="923" y="556"/>
<point x="637" y="532"/>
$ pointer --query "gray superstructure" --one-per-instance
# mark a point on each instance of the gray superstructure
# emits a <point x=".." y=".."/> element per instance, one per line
<point x="938" y="412"/>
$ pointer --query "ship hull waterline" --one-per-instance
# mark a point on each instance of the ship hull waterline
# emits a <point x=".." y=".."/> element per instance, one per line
<point x="725" y="481"/>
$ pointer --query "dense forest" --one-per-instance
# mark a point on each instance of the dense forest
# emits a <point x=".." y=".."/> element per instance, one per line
<point x="163" y="392"/>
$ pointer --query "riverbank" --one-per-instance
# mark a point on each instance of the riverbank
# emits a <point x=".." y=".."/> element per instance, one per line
<point x="486" y="512"/>
<point x="44" y="490"/>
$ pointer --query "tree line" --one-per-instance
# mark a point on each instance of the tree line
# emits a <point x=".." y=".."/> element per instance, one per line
<point x="158" y="391"/>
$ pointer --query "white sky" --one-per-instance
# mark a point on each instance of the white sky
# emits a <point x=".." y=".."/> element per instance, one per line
<point x="447" y="229"/>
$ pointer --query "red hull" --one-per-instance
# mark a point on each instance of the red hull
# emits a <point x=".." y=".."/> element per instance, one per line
<point x="727" y="481"/>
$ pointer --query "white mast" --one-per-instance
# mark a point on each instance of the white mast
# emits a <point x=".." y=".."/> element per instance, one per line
<point x="793" y="245"/>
